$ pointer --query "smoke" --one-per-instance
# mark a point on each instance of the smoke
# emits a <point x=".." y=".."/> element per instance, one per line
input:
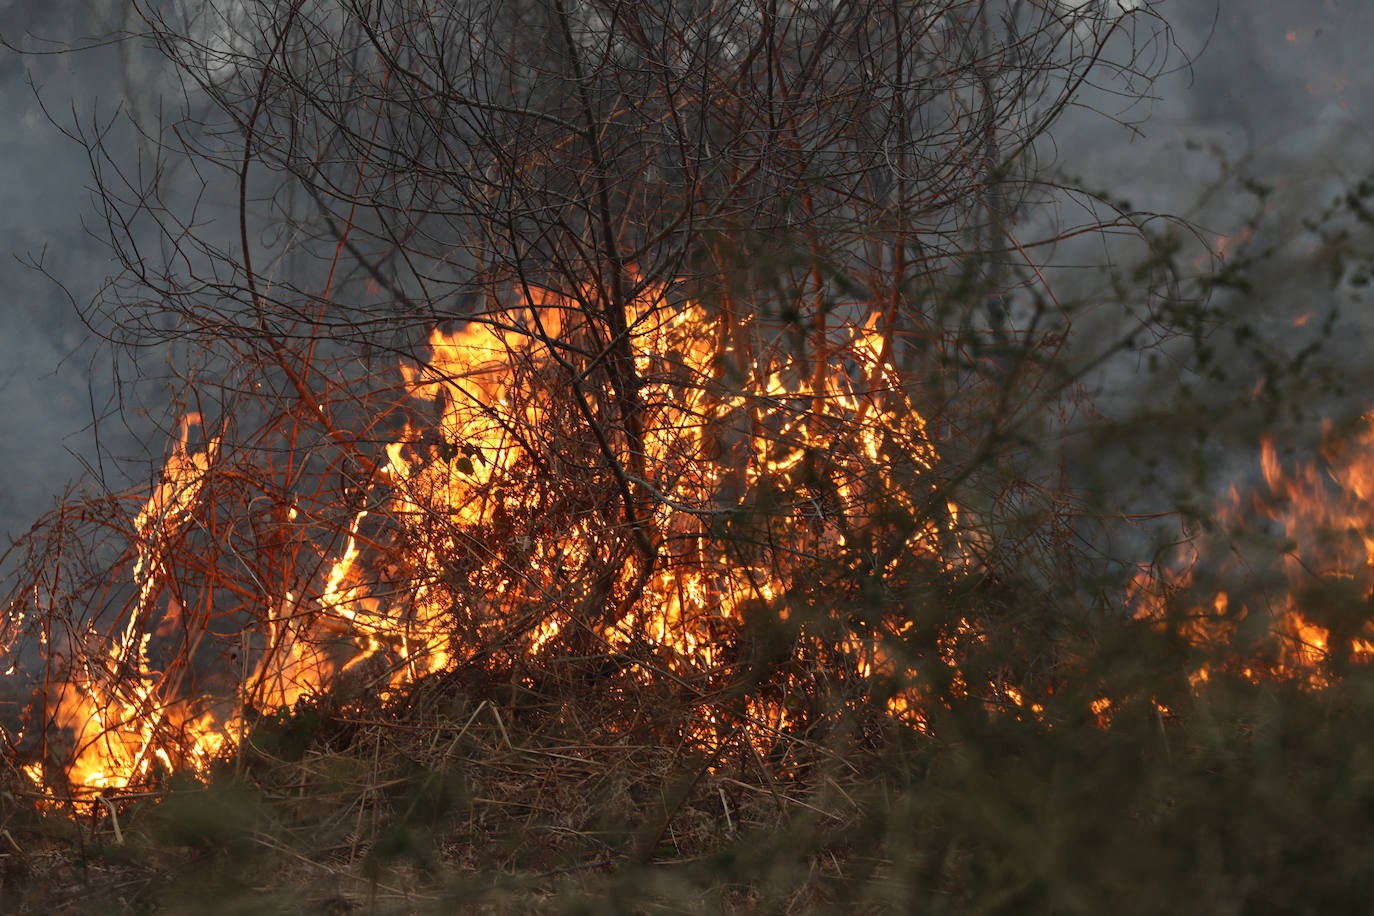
<point x="62" y="77"/>
<point x="1272" y="89"/>
<point x="44" y="381"/>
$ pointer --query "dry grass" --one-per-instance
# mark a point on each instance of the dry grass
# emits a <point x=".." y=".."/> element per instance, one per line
<point x="487" y="795"/>
<point x="474" y="794"/>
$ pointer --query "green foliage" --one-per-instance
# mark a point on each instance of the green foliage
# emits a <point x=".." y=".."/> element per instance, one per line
<point x="286" y="733"/>
<point x="219" y="819"/>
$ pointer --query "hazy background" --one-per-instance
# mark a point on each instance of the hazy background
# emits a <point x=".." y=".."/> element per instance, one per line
<point x="1277" y="87"/>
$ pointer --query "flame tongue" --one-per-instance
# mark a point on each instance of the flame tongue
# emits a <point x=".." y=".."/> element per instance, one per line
<point x="114" y="707"/>
<point x="517" y="464"/>
<point x="527" y="515"/>
<point x="1303" y="557"/>
<point x="525" y="511"/>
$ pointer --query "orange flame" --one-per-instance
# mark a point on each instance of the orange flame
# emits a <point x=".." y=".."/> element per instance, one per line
<point x="1306" y="606"/>
<point x="509" y="490"/>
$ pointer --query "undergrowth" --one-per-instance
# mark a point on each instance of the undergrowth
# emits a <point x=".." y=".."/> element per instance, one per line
<point x="469" y="794"/>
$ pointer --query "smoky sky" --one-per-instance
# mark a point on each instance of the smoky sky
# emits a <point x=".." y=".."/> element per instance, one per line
<point x="45" y="212"/>
<point x="1278" y="85"/>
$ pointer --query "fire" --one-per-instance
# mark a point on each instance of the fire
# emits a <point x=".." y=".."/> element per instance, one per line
<point x="1305" y="549"/>
<point x="113" y="704"/>
<point x="525" y="513"/>
<point x="650" y="506"/>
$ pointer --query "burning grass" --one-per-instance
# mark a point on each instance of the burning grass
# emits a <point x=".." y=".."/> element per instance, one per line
<point x="473" y="795"/>
<point x="616" y="606"/>
<point x="472" y="792"/>
<point x="712" y="633"/>
<point x="675" y="520"/>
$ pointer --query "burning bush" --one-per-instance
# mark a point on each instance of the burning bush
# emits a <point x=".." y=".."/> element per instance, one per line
<point x="501" y="530"/>
<point x="639" y="375"/>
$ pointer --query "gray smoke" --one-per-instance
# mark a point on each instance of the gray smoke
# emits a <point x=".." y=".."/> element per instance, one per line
<point x="1275" y="88"/>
